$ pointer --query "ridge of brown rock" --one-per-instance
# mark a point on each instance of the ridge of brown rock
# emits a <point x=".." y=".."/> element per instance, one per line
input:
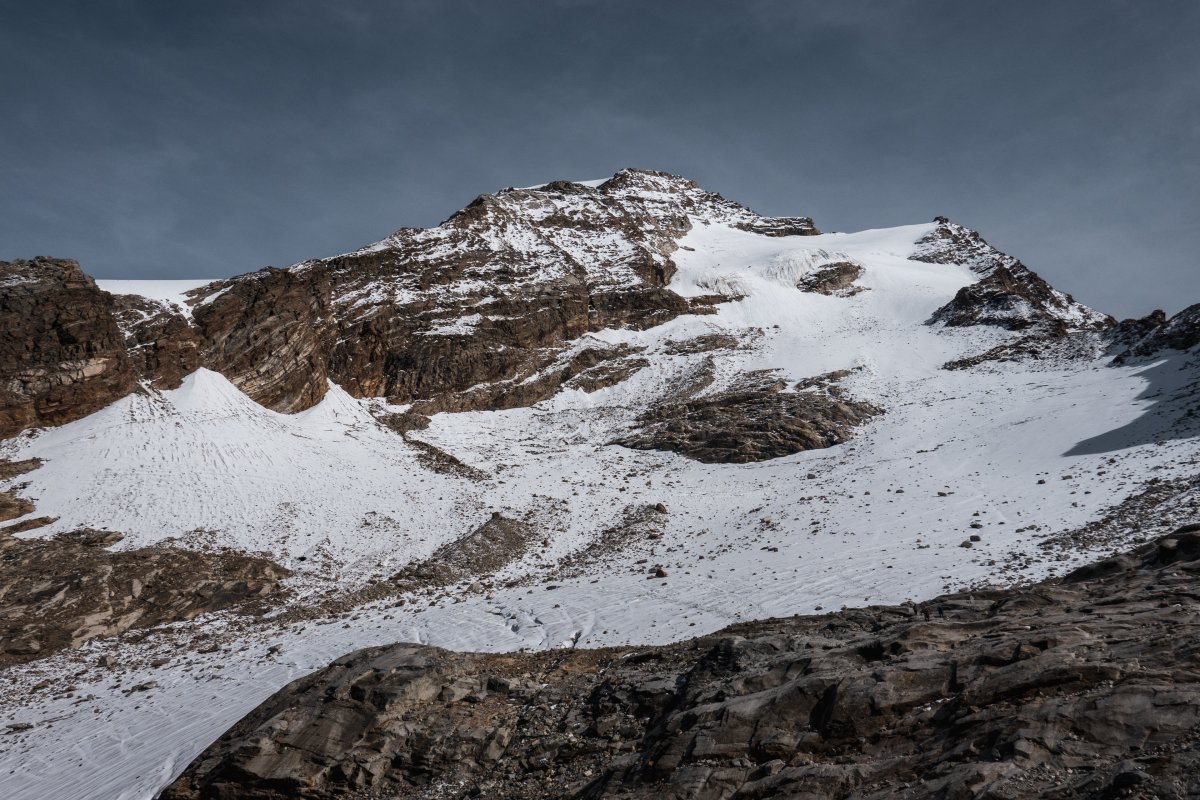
<point x="62" y="355"/>
<point x="496" y="292"/>
<point x="1085" y="687"/>
<point x="61" y="592"/>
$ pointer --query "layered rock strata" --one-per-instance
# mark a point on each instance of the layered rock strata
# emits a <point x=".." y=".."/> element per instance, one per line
<point x="62" y="354"/>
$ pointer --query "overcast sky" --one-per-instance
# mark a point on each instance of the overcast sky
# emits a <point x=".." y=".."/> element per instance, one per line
<point x="203" y="139"/>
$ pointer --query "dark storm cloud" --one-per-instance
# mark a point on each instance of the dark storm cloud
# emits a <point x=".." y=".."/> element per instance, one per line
<point x="200" y="139"/>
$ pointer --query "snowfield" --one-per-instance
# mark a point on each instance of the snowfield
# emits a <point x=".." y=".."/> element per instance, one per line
<point x="173" y="293"/>
<point x="343" y="500"/>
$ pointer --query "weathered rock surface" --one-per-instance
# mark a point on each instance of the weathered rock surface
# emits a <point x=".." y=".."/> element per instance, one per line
<point x="163" y="347"/>
<point x="833" y="279"/>
<point x="1086" y="687"/>
<point x="755" y="421"/>
<point x="479" y="554"/>
<point x="1009" y="295"/>
<point x="1129" y="331"/>
<point x="62" y="355"/>
<point x="11" y="469"/>
<point x="13" y="506"/>
<point x="61" y="592"/>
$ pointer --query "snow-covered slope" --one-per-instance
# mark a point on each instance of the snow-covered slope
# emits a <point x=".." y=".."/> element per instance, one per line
<point x="1013" y="453"/>
<point x="172" y="292"/>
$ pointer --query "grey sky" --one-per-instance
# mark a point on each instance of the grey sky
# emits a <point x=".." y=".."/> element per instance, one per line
<point x="202" y="139"/>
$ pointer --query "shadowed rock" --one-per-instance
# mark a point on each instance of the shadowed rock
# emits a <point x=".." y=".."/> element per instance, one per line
<point x="1154" y="334"/>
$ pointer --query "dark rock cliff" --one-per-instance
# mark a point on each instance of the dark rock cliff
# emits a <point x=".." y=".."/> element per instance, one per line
<point x="62" y="354"/>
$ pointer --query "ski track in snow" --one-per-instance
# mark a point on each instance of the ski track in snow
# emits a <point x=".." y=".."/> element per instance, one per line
<point x="208" y="465"/>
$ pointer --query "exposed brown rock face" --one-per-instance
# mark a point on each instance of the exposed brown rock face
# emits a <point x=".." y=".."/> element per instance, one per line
<point x="491" y="295"/>
<point x="61" y="592"/>
<point x="1010" y="295"/>
<point x="482" y="552"/>
<point x="269" y="333"/>
<point x="12" y="506"/>
<point x="1088" y="687"/>
<point x="836" y="279"/>
<point x="11" y="469"/>
<point x="446" y="315"/>
<point x="753" y="422"/>
<point x="163" y="348"/>
<point x="62" y="355"/>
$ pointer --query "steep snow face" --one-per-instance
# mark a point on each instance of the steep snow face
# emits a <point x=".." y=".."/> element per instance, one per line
<point x="1013" y="453"/>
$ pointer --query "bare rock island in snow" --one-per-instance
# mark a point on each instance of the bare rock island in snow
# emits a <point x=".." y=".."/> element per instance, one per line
<point x="610" y="488"/>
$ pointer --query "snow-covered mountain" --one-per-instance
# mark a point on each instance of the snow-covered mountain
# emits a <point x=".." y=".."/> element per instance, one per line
<point x="573" y="415"/>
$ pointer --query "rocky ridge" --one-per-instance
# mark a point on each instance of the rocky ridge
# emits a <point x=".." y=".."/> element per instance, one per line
<point x="491" y="297"/>
<point x="1009" y="294"/>
<point x="493" y="294"/>
<point x="1156" y="333"/>
<point x="1088" y="686"/>
<point x="485" y="311"/>
<point x="62" y="354"/>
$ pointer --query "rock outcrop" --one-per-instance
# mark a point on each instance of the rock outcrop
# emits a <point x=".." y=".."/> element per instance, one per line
<point x="833" y="279"/>
<point x="1085" y="687"/>
<point x="62" y="355"/>
<point x="479" y="554"/>
<point x="754" y="421"/>
<point x="163" y="347"/>
<point x="1009" y="295"/>
<point x="64" y="591"/>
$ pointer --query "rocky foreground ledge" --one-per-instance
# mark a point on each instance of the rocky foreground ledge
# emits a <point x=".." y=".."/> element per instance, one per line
<point x="1088" y="686"/>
